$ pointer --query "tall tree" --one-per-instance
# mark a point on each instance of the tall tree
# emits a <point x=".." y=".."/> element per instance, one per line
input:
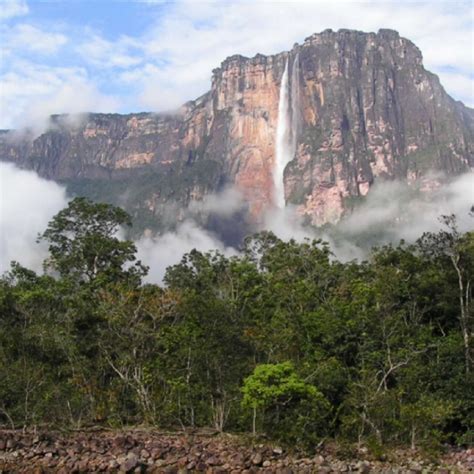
<point x="458" y="248"/>
<point x="84" y="243"/>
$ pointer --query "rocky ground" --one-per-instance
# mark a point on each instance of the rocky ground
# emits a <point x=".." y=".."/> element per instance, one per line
<point x="141" y="451"/>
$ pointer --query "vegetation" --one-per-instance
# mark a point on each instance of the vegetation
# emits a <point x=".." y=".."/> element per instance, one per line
<point x="282" y="339"/>
<point x="149" y="197"/>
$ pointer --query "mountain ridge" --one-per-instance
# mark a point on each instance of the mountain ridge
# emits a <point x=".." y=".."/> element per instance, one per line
<point x="367" y="111"/>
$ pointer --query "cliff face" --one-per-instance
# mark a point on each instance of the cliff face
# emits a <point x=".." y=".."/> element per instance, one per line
<point x="362" y="108"/>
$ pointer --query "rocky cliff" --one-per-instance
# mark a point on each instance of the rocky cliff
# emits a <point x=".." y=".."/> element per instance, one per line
<point x="361" y="107"/>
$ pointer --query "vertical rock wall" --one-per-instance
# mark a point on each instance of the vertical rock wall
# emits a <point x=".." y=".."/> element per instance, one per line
<point x="366" y="109"/>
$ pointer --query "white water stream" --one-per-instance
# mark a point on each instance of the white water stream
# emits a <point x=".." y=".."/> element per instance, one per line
<point x="287" y="128"/>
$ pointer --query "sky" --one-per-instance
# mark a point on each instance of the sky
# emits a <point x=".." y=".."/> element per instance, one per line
<point x="76" y="56"/>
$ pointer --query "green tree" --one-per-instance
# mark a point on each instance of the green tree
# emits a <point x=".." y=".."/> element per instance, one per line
<point x="458" y="248"/>
<point x="425" y="419"/>
<point x="292" y="409"/>
<point x="206" y="340"/>
<point x="84" y="244"/>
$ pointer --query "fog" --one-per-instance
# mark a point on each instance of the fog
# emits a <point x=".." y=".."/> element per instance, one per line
<point x="393" y="203"/>
<point x="222" y="204"/>
<point x="166" y="250"/>
<point x="392" y="211"/>
<point x="27" y="203"/>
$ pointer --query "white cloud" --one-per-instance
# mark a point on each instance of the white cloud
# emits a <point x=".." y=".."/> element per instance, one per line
<point x="460" y="86"/>
<point x="223" y="204"/>
<point x="30" y="93"/>
<point x="286" y="224"/>
<point x="168" y="249"/>
<point x="28" y="38"/>
<point x="12" y="8"/>
<point x="106" y="54"/>
<point x="27" y="204"/>
<point x="391" y="207"/>
<point x="391" y="212"/>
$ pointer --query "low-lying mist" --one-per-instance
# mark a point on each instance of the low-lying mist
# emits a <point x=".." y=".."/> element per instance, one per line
<point x="392" y="211"/>
<point x="27" y="203"/>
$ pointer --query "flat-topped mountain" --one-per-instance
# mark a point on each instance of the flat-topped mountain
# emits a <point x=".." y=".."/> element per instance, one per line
<point x="315" y="127"/>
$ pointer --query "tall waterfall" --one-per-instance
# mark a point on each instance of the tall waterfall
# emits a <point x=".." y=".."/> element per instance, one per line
<point x="287" y="128"/>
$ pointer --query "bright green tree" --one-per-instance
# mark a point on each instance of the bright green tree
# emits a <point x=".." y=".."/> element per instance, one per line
<point x="292" y="409"/>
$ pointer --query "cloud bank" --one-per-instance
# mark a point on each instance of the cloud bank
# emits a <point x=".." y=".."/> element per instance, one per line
<point x="34" y="92"/>
<point x="393" y="207"/>
<point x="163" y="251"/>
<point x="27" y="204"/>
<point x="13" y="8"/>
<point x="391" y="211"/>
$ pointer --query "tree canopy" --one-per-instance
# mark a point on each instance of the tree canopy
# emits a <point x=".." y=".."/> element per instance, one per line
<point x="282" y="339"/>
<point x="84" y="243"/>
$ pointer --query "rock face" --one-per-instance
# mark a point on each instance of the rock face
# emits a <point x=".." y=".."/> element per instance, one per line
<point x="365" y="109"/>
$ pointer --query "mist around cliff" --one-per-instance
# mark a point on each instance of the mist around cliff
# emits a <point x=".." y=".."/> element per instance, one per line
<point x="392" y="211"/>
<point x="27" y="204"/>
<point x="221" y="211"/>
<point x="167" y="249"/>
<point x="75" y="65"/>
<point x="47" y="123"/>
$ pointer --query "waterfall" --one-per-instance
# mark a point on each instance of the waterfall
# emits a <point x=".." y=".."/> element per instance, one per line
<point x="287" y="128"/>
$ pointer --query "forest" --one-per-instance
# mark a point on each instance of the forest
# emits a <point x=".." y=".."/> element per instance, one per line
<point x="282" y="341"/>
